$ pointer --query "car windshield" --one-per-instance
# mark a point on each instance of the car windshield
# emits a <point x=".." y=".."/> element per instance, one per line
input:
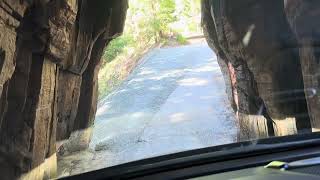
<point x="86" y="85"/>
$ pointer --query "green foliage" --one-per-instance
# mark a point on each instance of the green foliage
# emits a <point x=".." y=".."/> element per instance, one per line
<point x="116" y="47"/>
<point x="148" y="22"/>
<point x="160" y="17"/>
<point x="181" y="39"/>
<point x="165" y="15"/>
<point x="186" y="9"/>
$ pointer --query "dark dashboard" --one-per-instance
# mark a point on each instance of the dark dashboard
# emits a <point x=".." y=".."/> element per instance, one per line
<point x="261" y="173"/>
<point x="245" y="160"/>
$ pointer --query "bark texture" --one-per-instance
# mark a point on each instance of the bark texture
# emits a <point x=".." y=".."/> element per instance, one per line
<point x="253" y="41"/>
<point x="303" y="17"/>
<point x="49" y="60"/>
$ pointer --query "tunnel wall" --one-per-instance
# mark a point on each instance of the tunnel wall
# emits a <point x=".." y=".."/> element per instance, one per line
<point x="303" y="18"/>
<point x="263" y="68"/>
<point x="50" y="52"/>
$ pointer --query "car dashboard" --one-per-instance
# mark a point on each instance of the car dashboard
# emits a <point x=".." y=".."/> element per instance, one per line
<point x="262" y="173"/>
<point x="292" y="157"/>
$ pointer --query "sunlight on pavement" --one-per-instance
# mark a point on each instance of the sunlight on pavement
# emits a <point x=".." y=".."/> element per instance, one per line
<point x="193" y="82"/>
<point x="177" y="117"/>
<point x="176" y="95"/>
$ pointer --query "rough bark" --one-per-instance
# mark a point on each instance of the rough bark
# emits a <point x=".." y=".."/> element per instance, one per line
<point x="49" y="60"/>
<point x="253" y="36"/>
<point x="112" y="24"/>
<point x="303" y="17"/>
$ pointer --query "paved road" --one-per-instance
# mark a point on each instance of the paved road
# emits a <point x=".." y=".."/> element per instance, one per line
<point x="173" y="101"/>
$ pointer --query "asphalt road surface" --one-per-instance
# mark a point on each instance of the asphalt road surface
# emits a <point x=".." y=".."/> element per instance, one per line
<point x="173" y="101"/>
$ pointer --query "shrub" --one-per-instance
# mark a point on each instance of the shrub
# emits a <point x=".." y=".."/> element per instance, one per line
<point x="116" y="47"/>
<point x="181" y="39"/>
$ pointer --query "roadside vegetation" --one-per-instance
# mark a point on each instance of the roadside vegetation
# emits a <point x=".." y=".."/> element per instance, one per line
<point x="149" y="24"/>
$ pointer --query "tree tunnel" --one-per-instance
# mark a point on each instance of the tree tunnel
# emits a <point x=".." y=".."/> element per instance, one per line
<point x="50" y="53"/>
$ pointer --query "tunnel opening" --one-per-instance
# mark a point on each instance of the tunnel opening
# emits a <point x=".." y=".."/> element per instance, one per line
<point x="159" y="70"/>
<point x="153" y="77"/>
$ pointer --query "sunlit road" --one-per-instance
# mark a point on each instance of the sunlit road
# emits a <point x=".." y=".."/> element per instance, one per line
<point x="174" y="101"/>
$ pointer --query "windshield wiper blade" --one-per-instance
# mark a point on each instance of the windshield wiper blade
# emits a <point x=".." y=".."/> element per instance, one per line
<point x="305" y="162"/>
<point x="294" y="164"/>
